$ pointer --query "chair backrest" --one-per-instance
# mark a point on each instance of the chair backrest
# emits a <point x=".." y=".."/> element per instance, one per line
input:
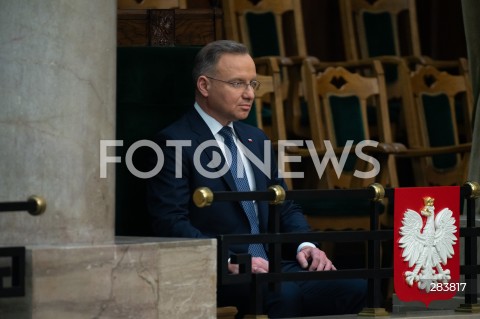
<point x="268" y="113"/>
<point x="266" y="26"/>
<point x="374" y="28"/>
<point x="386" y="30"/>
<point x="273" y="28"/>
<point x="464" y="106"/>
<point x="440" y="98"/>
<point x="268" y="99"/>
<point x="151" y="4"/>
<point x="337" y="104"/>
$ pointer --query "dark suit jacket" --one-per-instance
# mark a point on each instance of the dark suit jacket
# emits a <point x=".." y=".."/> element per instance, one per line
<point x="170" y="198"/>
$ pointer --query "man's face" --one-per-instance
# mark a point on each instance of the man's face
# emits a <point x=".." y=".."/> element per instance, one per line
<point x="224" y="102"/>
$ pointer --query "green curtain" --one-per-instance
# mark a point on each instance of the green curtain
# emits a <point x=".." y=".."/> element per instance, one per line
<point x="471" y="12"/>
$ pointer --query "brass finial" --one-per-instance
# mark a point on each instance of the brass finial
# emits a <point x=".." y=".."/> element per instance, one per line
<point x="41" y="205"/>
<point x="279" y="194"/>
<point x="203" y="196"/>
<point x="379" y="192"/>
<point x="475" y="189"/>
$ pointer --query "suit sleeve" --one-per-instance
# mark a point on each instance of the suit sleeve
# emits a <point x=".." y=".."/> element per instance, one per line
<point x="168" y="197"/>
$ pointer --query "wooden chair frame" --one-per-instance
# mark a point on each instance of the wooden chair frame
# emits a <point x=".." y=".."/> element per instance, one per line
<point x="356" y="43"/>
<point x="428" y="80"/>
<point x="356" y="48"/>
<point x="457" y="67"/>
<point x="268" y="73"/>
<point x="236" y="28"/>
<point x="289" y="58"/>
<point x="319" y="79"/>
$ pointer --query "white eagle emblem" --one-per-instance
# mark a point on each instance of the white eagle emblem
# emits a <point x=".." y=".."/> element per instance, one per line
<point x="427" y="247"/>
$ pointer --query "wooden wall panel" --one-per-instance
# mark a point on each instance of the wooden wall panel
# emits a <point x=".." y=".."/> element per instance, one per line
<point x="169" y="27"/>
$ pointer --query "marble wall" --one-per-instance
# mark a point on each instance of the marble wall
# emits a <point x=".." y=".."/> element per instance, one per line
<point x="135" y="278"/>
<point x="57" y="87"/>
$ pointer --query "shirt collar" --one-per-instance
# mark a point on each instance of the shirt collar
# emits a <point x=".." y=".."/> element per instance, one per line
<point x="212" y="124"/>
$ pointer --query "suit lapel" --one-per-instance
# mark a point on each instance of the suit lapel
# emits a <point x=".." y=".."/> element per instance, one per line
<point x="204" y="134"/>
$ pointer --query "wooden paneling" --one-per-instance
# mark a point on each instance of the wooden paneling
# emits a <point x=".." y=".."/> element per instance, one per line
<point x="169" y="27"/>
<point x="151" y="4"/>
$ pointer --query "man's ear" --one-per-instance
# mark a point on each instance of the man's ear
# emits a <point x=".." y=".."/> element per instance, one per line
<point x="203" y="85"/>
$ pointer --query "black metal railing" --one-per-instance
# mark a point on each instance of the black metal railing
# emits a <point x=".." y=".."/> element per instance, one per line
<point x="12" y="259"/>
<point x="374" y="272"/>
<point x="12" y="276"/>
<point x="35" y="205"/>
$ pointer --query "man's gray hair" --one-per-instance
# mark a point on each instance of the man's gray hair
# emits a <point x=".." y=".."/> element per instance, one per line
<point x="207" y="58"/>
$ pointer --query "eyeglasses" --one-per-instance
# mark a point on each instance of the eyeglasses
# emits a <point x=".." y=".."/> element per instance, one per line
<point x="239" y="84"/>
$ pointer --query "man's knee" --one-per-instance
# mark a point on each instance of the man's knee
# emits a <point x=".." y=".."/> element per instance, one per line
<point x="285" y="303"/>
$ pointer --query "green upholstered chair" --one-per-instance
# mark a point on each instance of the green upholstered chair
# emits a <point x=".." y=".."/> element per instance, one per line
<point x="440" y="97"/>
<point x="154" y="88"/>
<point x="338" y="98"/>
<point x="274" y="28"/>
<point x="382" y="30"/>
<point x="267" y="27"/>
<point x="387" y="30"/>
<point x="378" y="28"/>
<point x="321" y="215"/>
<point x="268" y="112"/>
<point x="338" y="95"/>
<point x="463" y="104"/>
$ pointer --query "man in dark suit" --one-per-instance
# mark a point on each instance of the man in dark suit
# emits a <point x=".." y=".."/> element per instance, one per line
<point x="200" y="149"/>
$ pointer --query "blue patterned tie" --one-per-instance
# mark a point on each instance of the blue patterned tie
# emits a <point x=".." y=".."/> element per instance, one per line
<point x="241" y="180"/>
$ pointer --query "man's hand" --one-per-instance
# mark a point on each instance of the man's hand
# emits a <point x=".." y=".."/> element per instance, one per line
<point x="318" y="259"/>
<point x="259" y="265"/>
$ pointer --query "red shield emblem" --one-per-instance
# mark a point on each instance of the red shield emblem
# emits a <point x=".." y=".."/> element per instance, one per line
<point x="426" y="243"/>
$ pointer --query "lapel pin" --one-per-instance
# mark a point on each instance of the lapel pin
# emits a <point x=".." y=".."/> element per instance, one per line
<point x="250" y="140"/>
